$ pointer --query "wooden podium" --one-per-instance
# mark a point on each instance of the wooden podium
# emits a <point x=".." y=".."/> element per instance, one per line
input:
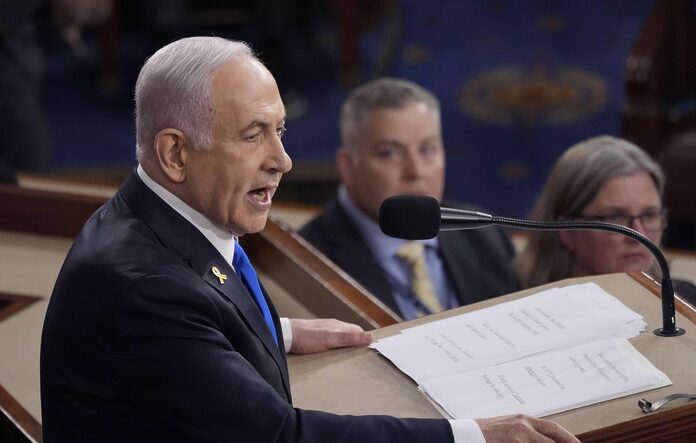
<point x="359" y="381"/>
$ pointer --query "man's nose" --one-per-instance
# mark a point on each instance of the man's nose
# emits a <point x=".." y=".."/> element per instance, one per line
<point x="413" y="167"/>
<point x="279" y="159"/>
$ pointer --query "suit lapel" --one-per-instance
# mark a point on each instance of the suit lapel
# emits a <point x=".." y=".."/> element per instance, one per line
<point x="461" y="265"/>
<point x="180" y="236"/>
<point x="280" y="349"/>
<point x="236" y="292"/>
<point x="351" y="253"/>
<point x="357" y="260"/>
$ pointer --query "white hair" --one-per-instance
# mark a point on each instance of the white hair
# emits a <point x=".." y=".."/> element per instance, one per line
<point x="173" y="90"/>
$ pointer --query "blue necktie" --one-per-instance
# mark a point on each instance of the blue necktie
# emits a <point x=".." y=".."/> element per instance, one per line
<point x="251" y="281"/>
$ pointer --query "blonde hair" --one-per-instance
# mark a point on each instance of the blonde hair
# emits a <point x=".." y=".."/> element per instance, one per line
<point x="573" y="183"/>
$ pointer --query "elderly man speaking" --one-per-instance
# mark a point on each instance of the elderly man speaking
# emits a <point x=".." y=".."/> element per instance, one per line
<point x="158" y="329"/>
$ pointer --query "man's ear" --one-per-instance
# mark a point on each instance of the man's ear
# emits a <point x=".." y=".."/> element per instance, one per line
<point x="171" y="153"/>
<point x="344" y="162"/>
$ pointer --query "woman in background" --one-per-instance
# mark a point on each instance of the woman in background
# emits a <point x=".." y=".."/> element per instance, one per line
<point x="607" y="179"/>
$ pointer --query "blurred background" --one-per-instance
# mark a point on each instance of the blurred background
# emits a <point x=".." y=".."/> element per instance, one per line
<point x="519" y="82"/>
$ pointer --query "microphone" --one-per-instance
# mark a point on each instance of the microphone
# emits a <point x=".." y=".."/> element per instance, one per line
<point x="418" y="218"/>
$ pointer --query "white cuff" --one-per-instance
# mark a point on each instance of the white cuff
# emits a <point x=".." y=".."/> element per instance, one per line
<point x="287" y="333"/>
<point x="466" y="431"/>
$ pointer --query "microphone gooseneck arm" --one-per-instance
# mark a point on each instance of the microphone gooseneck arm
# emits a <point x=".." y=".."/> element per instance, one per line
<point x="416" y="217"/>
<point x="454" y="219"/>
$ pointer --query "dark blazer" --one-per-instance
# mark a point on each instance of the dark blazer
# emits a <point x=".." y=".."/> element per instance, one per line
<point x="686" y="289"/>
<point x="141" y="343"/>
<point x="478" y="262"/>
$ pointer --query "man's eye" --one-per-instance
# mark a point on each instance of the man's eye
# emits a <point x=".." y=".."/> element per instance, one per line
<point x="252" y="138"/>
<point x="281" y="131"/>
<point x="386" y="153"/>
<point x="428" y="150"/>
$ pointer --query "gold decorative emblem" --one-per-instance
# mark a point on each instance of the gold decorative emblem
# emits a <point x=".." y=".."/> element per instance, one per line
<point x="216" y="272"/>
<point x="508" y="95"/>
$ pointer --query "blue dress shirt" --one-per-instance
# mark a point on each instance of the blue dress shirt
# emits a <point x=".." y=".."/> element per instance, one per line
<point x="397" y="272"/>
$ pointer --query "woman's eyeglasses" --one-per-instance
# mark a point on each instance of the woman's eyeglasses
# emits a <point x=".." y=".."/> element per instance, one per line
<point x="654" y="220"/>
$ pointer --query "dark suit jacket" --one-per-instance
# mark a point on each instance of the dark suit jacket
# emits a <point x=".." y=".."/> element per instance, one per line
<point x="478" y="262"/>
<point x="141" y="343"/>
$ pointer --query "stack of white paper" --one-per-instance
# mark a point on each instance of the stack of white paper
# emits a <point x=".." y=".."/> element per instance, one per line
<point x="552" y="351"/>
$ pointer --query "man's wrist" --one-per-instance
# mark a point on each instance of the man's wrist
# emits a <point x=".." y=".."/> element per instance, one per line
<point x="466" y="431"/>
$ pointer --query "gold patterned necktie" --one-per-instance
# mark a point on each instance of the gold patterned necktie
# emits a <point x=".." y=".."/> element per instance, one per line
<point x="413" y="254"/>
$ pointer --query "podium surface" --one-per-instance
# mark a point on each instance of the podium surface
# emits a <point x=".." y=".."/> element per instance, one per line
<point x="360" y="381"/>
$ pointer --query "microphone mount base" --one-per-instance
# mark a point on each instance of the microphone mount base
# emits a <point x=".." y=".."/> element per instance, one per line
<point x="661" y="332"/>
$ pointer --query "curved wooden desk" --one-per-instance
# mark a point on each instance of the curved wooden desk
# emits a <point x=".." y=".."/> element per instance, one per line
<point x="359" y="381"/>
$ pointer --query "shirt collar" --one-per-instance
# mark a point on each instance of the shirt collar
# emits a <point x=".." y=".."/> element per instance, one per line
<point x="220" y="238"/>
<point x="381" y="245"/>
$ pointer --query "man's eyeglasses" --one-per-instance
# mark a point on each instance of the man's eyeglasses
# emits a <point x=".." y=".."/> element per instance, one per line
<point x="650" y="220"/>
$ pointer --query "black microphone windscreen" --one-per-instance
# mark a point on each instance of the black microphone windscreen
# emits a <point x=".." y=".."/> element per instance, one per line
<point x="410" y="217"/>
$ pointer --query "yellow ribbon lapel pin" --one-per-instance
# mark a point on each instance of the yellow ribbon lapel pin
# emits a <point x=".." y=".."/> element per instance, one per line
<point x="216" y="272"/>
